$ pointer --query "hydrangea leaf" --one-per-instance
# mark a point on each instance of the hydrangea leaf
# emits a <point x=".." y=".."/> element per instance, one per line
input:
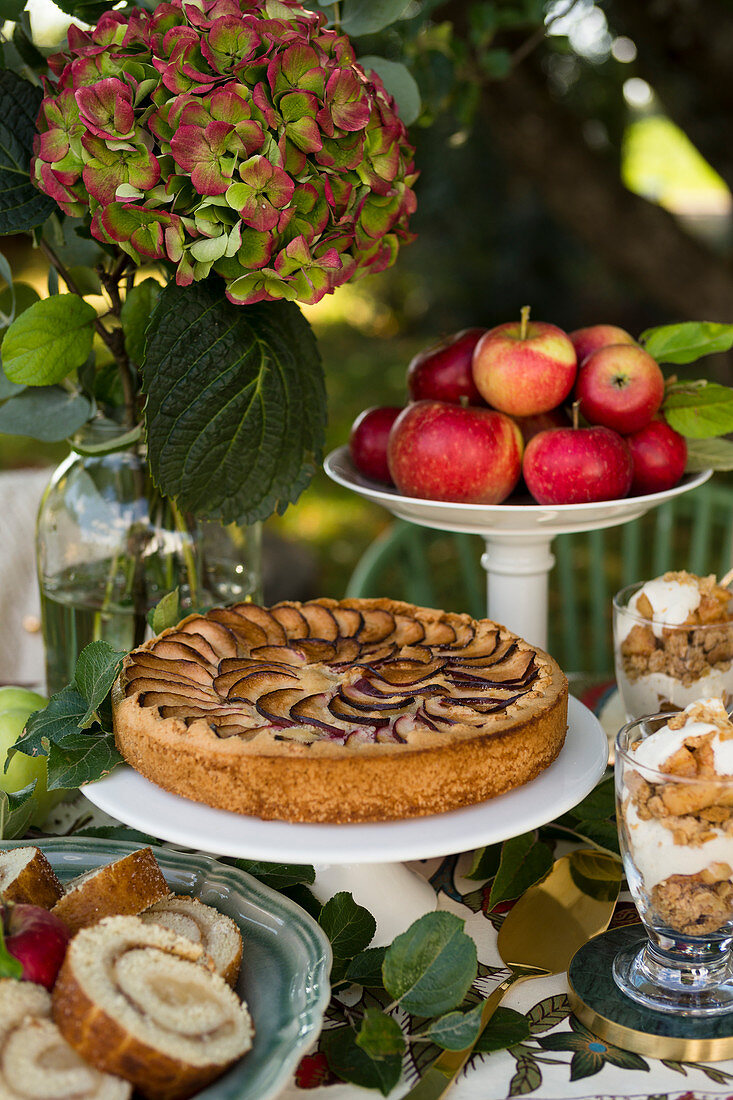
<point x="236" y="414"/>
<point x="48" y="340"/>
<point x="368" y="16"/>
<point x="22" y="206"/>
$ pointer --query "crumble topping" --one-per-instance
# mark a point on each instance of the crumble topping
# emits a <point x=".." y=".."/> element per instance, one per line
<point x="678" y="816"/>
<point x="685" y="629"/>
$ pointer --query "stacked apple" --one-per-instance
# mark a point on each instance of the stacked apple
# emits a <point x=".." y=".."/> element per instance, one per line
<point x="490" y="405"/>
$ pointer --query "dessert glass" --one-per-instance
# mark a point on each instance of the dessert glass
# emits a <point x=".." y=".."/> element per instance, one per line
<point x="665" y="666"/>
<point x="676" y="835"/>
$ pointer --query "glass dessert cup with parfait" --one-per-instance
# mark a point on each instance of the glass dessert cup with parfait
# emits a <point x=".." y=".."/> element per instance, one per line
<point x="673" y="643"/>
<point x="674" y="796"/>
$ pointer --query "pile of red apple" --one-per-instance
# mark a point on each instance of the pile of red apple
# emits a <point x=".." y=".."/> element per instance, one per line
<point x="489" y="406"/>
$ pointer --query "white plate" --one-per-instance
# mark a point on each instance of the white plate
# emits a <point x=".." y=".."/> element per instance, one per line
<point x="502" y="519"/>
<point x="130" y="798"/>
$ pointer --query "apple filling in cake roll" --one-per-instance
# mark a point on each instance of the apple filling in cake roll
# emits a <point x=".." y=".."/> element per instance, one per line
<point x="137" y="1000"/>
<point x="36" y="1062"/>
<point x="217" y="934"/>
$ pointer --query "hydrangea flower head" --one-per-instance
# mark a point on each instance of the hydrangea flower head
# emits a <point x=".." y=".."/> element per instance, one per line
<point x="239" y="136"/>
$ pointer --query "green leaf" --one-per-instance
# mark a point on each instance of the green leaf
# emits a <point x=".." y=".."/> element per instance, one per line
<point x="8" y="388"/>
<point x="349" y="927"/>
<point x="528" y="1076"/>
<point x="79" y="759"/>
<point x="22" y="206"/>
<point x="58" y="720"/>
<point x="50" y="339"/>
<point x="548" y="1013"/>
<point x="699" y="409"/>
<point x="85" y="280"/>
<point x="11" y="9"/>
<point x="430" y="967"/>
<point x="702" y="454"/>
<point x="349" y="1062"/>
<point x="380" y="1036"/>
<point x="603" y="833"/>
<point x="524" y="861"/>
<point x="136" y="312"/>
<point x="166" y="612"/>
<point x="13" y="301"/>
<point x="506" y="1027"/>
<point x="96" y="670"/>
<point x="366" y="968"/>
<point x="496" y="63"/>
<point x="367" y="16"/>
<point x="87" y="10"/>
<point x="10" y="967"/>
<point x="399" y="82"/>
<point x="687" y="342"/>
<point x="47" y="413"/>
<point x="600" y="804"/>
<point x="236" y="403"/>
<point x="456" y="1030"/>
<point x="485" y="863"/>
<point x="278" y="875"/>
<point x="16" y="811"/>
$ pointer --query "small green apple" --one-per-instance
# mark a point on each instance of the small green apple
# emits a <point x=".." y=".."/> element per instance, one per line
<point x="16" y="706"/>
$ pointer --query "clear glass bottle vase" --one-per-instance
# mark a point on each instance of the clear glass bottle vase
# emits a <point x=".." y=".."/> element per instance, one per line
<point x="109" y="547"/>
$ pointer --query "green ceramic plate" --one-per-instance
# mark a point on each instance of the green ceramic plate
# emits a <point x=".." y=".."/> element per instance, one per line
<point x="285" y="965"/>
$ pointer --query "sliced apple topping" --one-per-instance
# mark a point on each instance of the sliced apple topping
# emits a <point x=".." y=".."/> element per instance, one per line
<point x="350" y="621"/>
<point x="219" y="637"/>
<point x="324" y="670"/>
<point x="377" y="625"/>
<point x="321" y="623"/>
<point x="260" y="616"/>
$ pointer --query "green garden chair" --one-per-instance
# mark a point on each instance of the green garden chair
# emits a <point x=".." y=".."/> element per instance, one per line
<point x="693" y="531"/>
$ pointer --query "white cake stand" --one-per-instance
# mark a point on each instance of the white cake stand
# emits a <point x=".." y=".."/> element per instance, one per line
<point x="351" y="857"/>
<point x="518" y="536"/>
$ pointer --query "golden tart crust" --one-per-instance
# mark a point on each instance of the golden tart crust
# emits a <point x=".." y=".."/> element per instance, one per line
<point x="339" y="711"/>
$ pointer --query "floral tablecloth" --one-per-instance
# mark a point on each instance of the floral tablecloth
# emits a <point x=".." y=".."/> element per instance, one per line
<point x="559" y="1060"/>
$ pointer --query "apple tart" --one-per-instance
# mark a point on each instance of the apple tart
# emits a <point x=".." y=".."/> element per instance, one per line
<point x="339" y="711"/>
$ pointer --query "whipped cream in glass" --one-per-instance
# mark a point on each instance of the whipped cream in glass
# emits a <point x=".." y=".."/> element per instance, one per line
<point x="674" y="789"/>
<point x="673" y="643"/>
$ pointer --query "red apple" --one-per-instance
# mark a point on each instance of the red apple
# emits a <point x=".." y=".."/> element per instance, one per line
<point x="442" y="372"/>
<point x="529" y="426"/>
<point x="36" y="939"/>
<point x="587" y="340"/>
<point x="368" y="441"/>
<point x="660" y="457"/>
<point x="577" y="466"/>
<point x="524" y="367"/>
<point x="440" y="451"/>
<point x="620" y="387"/>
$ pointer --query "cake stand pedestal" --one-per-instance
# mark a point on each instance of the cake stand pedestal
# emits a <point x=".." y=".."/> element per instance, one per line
<point x="518" y="536"/>
<point x="352" y="857"/>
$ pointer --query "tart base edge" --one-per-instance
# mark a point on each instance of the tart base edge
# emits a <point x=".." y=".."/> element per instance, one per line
<point x="359" y="787"/>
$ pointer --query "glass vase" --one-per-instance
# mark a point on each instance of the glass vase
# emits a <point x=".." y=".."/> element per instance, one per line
<point x="110" y="546"/>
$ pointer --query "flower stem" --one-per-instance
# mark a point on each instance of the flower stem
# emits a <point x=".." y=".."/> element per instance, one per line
<point x="114" y="340"/>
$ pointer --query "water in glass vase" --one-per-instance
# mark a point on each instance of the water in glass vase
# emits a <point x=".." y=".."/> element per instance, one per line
<point x="110" y="547"/>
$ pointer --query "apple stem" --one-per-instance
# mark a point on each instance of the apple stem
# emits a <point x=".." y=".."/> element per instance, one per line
<point x="524" y="315"/>
<point x="576" y="413"/>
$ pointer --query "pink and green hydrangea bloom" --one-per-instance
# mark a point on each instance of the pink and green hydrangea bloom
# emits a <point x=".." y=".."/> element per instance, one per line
<point x="239" y="136"/>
